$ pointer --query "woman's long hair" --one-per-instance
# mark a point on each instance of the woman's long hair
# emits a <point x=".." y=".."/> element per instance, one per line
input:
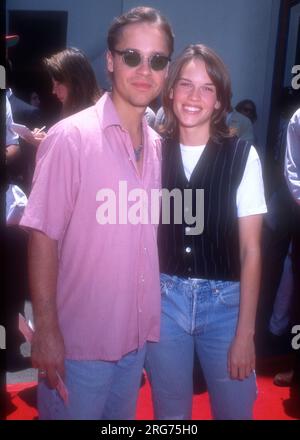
<point x="72" y="68"/>
<point x="218" y="74"/>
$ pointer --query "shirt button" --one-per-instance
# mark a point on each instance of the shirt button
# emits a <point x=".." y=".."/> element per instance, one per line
<point x="188" y="250"/>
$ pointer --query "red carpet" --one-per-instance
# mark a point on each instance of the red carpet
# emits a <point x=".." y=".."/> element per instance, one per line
<point x="273" y="403"/>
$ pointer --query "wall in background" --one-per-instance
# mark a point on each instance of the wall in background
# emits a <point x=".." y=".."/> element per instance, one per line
<point x="243" y="33"/>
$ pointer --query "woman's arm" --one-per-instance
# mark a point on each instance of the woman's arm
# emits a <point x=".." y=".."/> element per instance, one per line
<point x="241" y="357"/>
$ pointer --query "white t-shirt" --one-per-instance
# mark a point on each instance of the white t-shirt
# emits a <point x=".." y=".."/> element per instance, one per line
<point x="250" y="197"/>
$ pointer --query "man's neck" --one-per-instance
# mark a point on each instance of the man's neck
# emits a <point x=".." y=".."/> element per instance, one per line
<point x="130" y="116"/>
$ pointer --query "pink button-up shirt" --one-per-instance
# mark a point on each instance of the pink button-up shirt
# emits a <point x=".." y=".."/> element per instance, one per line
<point x="108" y="295"/>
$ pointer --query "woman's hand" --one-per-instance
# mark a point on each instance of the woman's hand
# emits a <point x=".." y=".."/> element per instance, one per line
<point x="38" y="136"/>
<point x="241" y="357"/>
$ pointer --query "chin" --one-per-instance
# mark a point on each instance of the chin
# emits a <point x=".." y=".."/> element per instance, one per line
<point x="142" y="102"/>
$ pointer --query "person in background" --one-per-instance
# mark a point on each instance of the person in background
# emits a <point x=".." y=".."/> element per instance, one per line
<point x="73" y="83"/>
<point x="35" y="99"/>
<point x="248" y="109"/>
<point x="150" y="117"/>
<point x="209" y="278"/>
<point x="21" y="169"/>
<point x="15" y="241"/>
<point x="241" y="125"/>
<point x="292" y="175"/>
<point x="73" y="80"/>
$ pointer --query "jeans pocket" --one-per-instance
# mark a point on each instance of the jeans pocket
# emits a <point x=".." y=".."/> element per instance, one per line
<point x="229" y="293"/>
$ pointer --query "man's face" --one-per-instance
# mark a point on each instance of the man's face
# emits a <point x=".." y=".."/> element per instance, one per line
<point x="138" y="86"/>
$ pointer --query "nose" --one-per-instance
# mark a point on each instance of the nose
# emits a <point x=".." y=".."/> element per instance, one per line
<point x="144" y="66"/>
<point x="195" y="93"/>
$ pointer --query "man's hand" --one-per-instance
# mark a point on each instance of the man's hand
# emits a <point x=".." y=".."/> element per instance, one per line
<point x="12" y="152"/>
<point x="47" y="354"/>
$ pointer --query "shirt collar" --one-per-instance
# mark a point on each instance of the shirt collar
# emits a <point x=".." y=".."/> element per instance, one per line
<point x="108" y="115"/>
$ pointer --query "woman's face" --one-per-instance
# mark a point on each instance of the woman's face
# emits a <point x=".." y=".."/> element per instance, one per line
<point x="60" y="90"/>
<point x="194" y="96"/>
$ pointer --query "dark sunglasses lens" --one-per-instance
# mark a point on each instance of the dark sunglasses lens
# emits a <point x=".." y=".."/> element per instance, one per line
<point x="158" y="62"/>
<point x="132" y="58"/>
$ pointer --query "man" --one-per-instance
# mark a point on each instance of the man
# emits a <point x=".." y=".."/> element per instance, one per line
<point x="292" y="158"/>
<point x="292" y="174"/>
<point x="15" y="245"/>
<point x="12" y="151"/>
<point x="242" y="125"/>
<point x="95" y="284"/>
<point x="23" y="113"/>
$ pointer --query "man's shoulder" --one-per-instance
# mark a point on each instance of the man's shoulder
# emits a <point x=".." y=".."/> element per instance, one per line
<point x="20" y="104"/>
<point x="24" y="113"/>
<point x="295" y="119"/>
<point x="80" y="123"/>
<point x="239" y="118"/>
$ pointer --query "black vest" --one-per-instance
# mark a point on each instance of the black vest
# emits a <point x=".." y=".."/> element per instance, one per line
<point x="214" y="254"/>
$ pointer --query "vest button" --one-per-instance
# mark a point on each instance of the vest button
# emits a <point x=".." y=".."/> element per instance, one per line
<point x="189" y="269"/>
<point x="188" y="249"/>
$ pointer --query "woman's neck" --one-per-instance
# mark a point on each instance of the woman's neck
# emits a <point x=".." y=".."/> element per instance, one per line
<point x="193" y="136"/>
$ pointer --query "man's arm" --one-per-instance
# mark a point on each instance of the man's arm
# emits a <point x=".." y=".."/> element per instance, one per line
<point x="47" y="344"/>
<point x="12" y="151"/>
<point x="292" y="157"/>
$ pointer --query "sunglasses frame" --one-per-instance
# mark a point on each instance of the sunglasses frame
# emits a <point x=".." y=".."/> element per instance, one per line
<point x="122" y="53"/>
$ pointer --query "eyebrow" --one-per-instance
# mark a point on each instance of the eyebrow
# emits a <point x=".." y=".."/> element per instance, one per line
<point x="188" y="80"/>
<point x="140" y="52"/>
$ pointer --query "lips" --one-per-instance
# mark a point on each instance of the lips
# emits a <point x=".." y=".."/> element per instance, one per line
<point x="191" y="109"/>
<point x="142" y="85"/>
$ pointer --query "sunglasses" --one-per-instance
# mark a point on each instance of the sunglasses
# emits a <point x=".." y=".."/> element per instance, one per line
<point x="132" y="58"/>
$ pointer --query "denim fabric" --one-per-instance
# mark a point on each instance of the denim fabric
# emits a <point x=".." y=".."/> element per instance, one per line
<point x="201" y="315"/>
<point x="98" y="390"/>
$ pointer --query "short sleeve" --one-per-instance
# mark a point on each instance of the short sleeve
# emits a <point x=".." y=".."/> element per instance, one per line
<point x="55" y="184"/>
<point x="292" y="156"/>
<point x="250" y="198"/>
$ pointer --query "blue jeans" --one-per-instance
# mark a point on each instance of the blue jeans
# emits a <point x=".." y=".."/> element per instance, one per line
<point x="201" y="315"/>
<point x="98" y="390"/>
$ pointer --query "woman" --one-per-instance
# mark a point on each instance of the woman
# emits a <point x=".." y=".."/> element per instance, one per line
<point x="74" y="83"/>
<point x="209" y="281"/>
<point x="73" y="79"/>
